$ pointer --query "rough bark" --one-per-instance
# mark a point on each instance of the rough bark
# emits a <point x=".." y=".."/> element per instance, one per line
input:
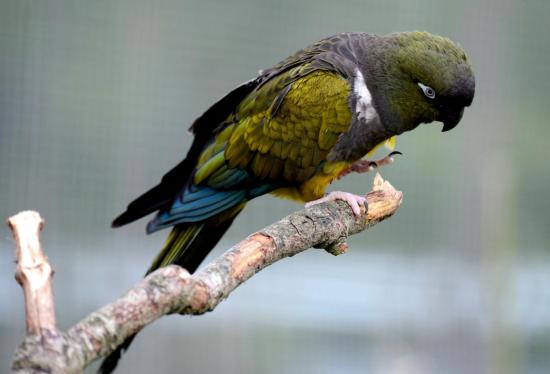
<point x="171" y="289"/>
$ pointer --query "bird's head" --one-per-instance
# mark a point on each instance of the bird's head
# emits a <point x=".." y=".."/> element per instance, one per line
<point x="421" y="78"/>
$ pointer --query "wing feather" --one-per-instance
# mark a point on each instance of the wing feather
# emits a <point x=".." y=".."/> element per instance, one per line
<point x="274" y="115"/>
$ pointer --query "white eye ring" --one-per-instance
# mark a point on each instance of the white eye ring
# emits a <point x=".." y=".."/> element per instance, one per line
<point x="428" y="91"/>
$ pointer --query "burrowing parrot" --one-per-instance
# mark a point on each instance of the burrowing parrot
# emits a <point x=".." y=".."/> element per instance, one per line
<point x="297" y="127"/>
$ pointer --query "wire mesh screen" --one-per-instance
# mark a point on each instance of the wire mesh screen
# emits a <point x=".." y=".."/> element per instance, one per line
<point x="95" y="102"/>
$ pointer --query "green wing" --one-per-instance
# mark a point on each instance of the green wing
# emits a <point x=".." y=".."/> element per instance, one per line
<point x="280" y="134"/>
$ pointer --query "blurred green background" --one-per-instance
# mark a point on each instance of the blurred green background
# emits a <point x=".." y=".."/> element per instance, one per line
<point x="95" y="101"/>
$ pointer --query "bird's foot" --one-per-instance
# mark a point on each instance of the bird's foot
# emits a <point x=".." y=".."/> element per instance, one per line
<point x="364" y="166"/>
<point x="354" y="201"/>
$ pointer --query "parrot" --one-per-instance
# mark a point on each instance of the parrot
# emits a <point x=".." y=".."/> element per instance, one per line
<point x="297" y="127"/>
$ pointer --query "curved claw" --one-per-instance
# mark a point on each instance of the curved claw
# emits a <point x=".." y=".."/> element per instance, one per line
<point x="364" y="166"/>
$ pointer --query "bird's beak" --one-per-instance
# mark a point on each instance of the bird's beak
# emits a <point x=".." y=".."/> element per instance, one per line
<point x="451" y="119"/>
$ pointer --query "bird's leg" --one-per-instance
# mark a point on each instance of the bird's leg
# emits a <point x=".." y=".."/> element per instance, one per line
<point x="364" y="166"/>
<point x="354" y="201"/>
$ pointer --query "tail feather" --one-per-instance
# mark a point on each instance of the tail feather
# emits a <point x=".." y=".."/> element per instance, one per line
<point x="187" y="245"/>
<point x="110" y="362"/>
<point x="175" y="245"/>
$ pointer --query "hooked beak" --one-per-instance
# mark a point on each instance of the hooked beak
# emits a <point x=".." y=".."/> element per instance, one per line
<point x="451" y="119"/>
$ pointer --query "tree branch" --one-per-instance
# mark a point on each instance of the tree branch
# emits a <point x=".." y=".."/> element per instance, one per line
<point x="171" y="289"/>
<point x="33" y="272"/>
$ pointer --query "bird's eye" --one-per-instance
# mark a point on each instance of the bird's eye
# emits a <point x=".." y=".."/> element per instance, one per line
<point x="428" y="91"/>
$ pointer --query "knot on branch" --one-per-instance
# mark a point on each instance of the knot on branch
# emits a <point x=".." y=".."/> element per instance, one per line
<point x="336" y="247"/>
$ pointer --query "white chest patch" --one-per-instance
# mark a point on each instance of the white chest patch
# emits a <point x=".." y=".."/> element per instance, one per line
<point x="364" y="107"/>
